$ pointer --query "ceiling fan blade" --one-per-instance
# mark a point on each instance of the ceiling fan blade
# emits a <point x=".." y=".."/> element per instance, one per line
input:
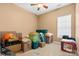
<point x="45" y="6"/>
<point x="33" y="4"/>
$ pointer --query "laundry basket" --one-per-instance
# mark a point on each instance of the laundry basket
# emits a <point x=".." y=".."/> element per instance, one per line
<point x="49" y="37"/>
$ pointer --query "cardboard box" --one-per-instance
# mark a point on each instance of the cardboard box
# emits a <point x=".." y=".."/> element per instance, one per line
<point x="42" y="44"/>
<point x="14" y="48"/>
<point x="26" y="45"/>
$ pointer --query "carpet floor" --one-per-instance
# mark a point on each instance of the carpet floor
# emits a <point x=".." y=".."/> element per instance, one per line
<point x="53" y="49"/>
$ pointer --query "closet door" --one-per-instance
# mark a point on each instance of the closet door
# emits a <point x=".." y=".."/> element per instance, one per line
<point x="64" y="26"/>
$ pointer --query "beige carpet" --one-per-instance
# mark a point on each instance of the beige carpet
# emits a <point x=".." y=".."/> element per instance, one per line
<point x="52" y="49"/>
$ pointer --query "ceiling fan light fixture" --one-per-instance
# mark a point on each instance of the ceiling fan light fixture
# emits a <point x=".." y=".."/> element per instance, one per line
<point x="40" y="5"/>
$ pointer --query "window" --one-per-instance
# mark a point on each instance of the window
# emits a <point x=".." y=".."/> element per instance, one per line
<point x="64" y="26"/>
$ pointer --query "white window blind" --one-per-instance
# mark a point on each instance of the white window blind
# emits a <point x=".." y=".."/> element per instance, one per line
<point x="64" y="26"/>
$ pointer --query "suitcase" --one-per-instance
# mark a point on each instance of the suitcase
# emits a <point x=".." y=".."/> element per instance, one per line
<point x="42" y="44"/>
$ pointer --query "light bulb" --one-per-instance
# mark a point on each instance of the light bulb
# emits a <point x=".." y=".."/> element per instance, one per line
<point x="40" y="5"/>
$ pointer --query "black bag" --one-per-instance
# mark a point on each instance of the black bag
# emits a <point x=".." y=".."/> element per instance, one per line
<point x="5" y="51"/>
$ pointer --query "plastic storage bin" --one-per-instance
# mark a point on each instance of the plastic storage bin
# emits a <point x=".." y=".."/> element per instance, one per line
<point x="34" y="36"/>
<point x="35" y="45"/>
<point x="44" y="31"/>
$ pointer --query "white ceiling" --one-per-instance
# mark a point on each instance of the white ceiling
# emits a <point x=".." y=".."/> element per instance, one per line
<point x="51" y="6"/>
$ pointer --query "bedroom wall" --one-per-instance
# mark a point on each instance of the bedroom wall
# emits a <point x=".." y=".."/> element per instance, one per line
<point x="14" y="18"/>
<point x="49" y="20"/>
<point x="77" y="25"/>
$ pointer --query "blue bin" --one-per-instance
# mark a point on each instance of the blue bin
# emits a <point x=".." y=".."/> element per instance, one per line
<point x="35" y="45"/>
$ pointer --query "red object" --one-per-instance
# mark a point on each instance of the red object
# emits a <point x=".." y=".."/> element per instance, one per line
<point x="73" y="44"/>
<point x="6" y="36"/>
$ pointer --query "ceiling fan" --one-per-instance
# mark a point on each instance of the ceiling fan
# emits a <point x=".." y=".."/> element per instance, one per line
<point x="40" y="5"/>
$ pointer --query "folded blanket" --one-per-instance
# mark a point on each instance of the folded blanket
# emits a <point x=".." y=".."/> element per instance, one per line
<point x="66" y="40"/>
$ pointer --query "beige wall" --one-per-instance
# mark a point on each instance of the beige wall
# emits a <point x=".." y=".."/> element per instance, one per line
<point x="77" y="24"/>
<point x="14" y="18"/>
<point x="49" y="20"/>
